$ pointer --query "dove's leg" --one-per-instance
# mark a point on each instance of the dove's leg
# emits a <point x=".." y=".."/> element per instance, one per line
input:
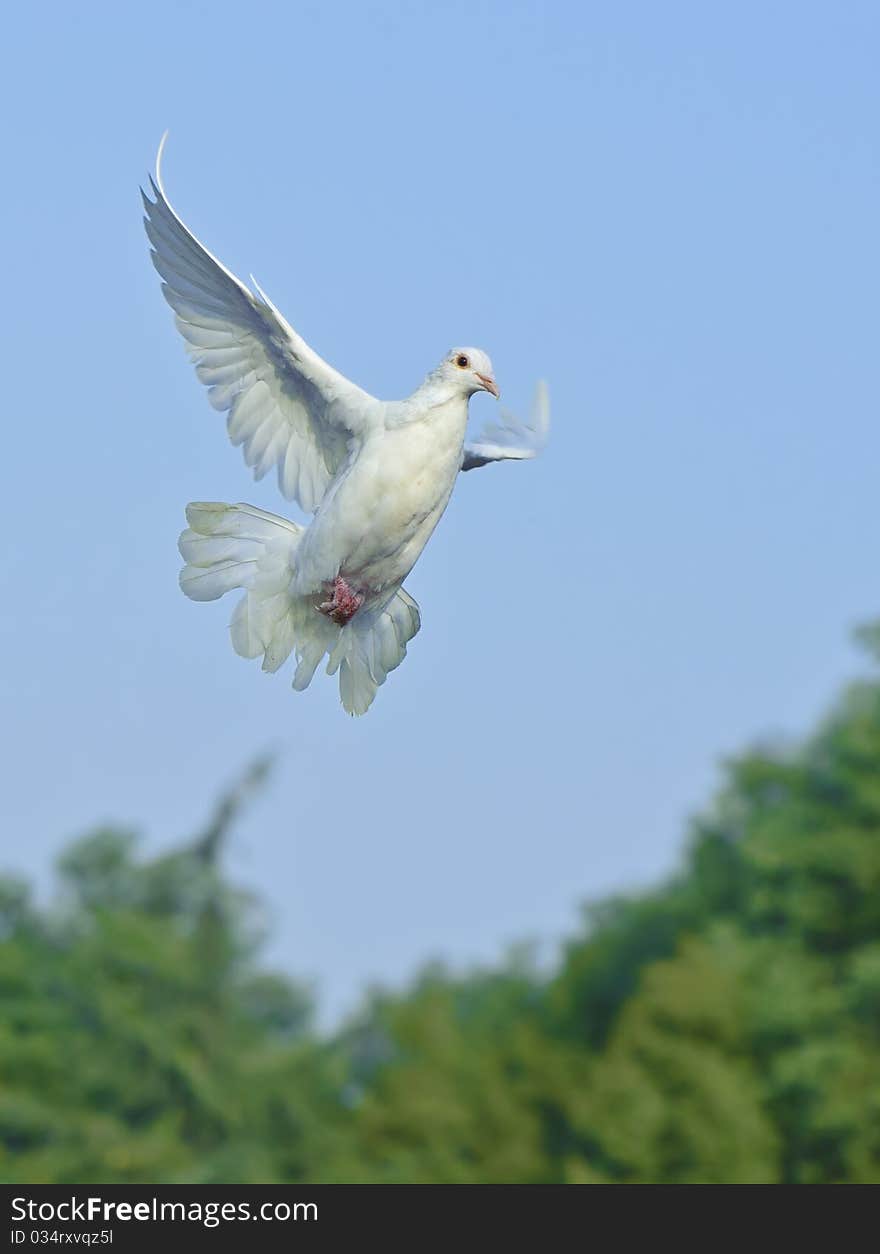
<point x="344" y="604"/>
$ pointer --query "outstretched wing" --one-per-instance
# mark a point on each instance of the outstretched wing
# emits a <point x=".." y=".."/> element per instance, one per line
<point x="511" y="439"/>
<point x="285" y="406"/>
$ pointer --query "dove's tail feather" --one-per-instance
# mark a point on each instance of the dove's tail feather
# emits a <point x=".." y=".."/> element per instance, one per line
<point x="240" y="546"/>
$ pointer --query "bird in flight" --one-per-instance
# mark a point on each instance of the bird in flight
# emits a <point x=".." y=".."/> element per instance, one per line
<point x="376" y="475"/>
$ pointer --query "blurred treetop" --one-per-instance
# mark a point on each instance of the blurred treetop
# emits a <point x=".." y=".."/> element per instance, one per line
<point x="722" y="1028"/>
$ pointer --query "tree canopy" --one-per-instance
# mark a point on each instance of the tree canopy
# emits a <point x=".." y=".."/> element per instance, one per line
<point x="724" y="1027"/>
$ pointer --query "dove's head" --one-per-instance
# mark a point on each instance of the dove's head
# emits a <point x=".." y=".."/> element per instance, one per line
<point x="469" y="370"/>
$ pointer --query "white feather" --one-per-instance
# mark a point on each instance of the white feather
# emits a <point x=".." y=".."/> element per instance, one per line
<point x="511" y="439"/>
<point x="310" y="410"/>
<point x="239" y="546"/>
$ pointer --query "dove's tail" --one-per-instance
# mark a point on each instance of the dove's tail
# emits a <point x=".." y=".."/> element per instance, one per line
<point x="240" y="546"/>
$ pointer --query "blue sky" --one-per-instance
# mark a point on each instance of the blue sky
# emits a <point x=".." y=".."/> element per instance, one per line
<point x="669" y="211"/>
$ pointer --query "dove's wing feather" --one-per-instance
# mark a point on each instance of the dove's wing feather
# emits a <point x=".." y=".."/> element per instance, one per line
<point x="285" y="405"/>
<point x="511" y="439"/>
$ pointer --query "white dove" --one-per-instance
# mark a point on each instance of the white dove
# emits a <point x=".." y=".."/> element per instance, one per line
<point x="377" y="475"/>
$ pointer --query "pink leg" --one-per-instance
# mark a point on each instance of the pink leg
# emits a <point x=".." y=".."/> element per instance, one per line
<point x="345" y="603"/>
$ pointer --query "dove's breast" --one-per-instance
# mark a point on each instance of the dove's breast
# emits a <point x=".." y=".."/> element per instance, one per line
<point x="381" y="515"/>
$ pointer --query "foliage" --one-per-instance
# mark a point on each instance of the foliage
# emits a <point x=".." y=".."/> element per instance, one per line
<point x="724" y="1027"/>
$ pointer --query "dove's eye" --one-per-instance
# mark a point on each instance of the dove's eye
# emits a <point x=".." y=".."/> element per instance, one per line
<point x="462" y="362"/>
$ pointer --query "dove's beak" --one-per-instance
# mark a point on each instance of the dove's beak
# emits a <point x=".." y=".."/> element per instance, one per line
<point x="490" y="385"/>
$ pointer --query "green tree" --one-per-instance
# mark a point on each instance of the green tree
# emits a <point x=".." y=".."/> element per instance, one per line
<point x="138" y="1041"/>
<point x="724" y="1027"/>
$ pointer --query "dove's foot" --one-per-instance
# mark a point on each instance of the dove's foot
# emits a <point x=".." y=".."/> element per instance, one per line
<point x="345" y="603"/>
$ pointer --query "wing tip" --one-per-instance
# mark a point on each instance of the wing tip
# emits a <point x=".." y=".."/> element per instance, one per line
<point x="158" y="180"/>
<point x="541" y="413"/>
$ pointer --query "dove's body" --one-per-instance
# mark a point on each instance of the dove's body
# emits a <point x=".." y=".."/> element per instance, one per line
<point x="379" y="513"/>
<point x="376" y="475"/>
